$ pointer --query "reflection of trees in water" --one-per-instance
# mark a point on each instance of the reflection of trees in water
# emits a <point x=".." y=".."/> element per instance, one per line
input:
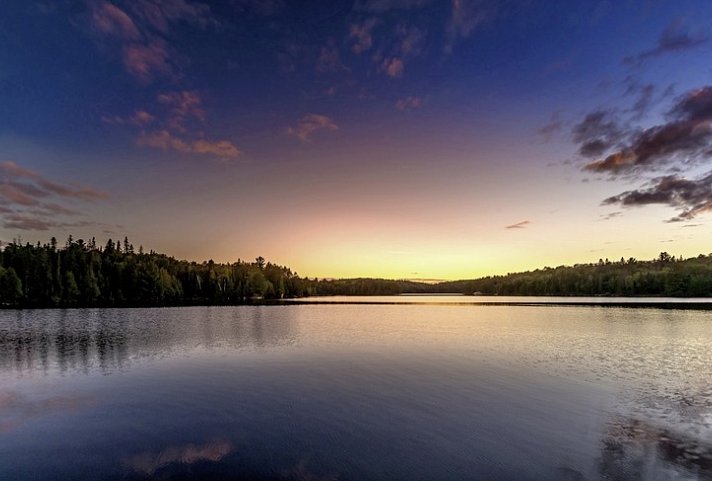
<point x="86" y="340"/>
<point x="634" y="449"/>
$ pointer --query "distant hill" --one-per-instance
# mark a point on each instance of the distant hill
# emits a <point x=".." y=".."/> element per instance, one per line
<point x="663" y="276"/>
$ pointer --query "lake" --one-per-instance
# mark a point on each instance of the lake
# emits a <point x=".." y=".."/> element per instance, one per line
<point x="414" y="389"/>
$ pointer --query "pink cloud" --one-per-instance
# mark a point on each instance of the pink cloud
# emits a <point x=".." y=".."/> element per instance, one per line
<point x="361" y="33"/>
<point x="164" y="140"/>
<point x="160" y="15"/>
<point x="183" y="105"/>
<point x="13" y="195"/>
<point x="311" y="123"/>
<point x="141" y="117"/>
<point x="41" y="186"/>
<point x="33" y="202"/>
<point x="393" y="67"/>
<point x="145" y="61"/>
<point x="110" y="20"/>
<point x="409" y="103"/>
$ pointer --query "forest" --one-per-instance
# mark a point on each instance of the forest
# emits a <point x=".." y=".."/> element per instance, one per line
<point x="84" y="274"/>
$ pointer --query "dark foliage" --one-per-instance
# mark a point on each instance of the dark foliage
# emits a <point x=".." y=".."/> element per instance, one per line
<point x="83" y="274"/>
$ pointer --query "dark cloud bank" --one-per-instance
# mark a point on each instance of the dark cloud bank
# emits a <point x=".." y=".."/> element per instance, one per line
<point x="664" y="152"/>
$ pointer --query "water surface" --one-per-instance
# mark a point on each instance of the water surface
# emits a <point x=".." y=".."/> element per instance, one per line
<point x="427" y="391"/>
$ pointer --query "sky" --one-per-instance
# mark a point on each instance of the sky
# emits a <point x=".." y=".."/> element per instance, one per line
<point x="419" y="139"/>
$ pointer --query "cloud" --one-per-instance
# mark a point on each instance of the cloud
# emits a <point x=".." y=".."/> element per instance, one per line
<point x="597" y="133"/>
<point x="310" y="124"/>
<point x="393" y="67"/>
<point x="146" y="61"/>
<point x="30" y="201"/>
<point x="690" y="197"/>
<point x="675" y="38"/>
<point x="10" y="173"/>
<point x="143" y="30"/>
<point x="139" y="118"/>
<point x="684" y="140"/>
<point x="164" y="140"/>
<point x="112" y="21"/>
<point x="360" y="33"/>
<point x="411" y="39"/>
<point x="465" y="15"/>
<point x="409" y="103"/>
<point x="553" y="125"/>
<point x="644" y="100"/>
<point x="183" y="106"/>
<point x="611" y="215"/>
<point x="518" y="225"/>
<point x="161" y="15"/>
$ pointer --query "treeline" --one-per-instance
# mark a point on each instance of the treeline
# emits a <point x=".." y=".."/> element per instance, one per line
<point x="665" y="275"/>
<point x="83" y="274"/>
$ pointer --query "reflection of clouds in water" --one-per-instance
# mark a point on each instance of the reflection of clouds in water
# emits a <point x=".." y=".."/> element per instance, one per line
<point x="634" y="449"/>
<point x="105" y="340"/>
<point x="16" y="409"/>
<point x="149" y="463"/>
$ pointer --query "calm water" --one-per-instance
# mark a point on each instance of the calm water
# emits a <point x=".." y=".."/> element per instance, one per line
<point x="357" y="392"/>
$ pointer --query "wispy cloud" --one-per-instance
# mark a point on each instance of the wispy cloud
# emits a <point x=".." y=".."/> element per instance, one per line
<point x="146" y="61"/>
<point x="597" y="132"/>
<point x="183" y="106"/>
<point x="162" y="15"/>
<point x="31" y="201"/>
<point x="178" y="125"/>
<point x="611" y="215"/>
<point x="139" y="118"/>
<point x="164" y="140"/>
<point x="110" y="20"/>
<point x="465" y="16"/>
<point x="552" y="126"/>
<point x="143" y="31"/>
<point x="409" y="103"/>
<point x="311" y="124"/>
<point x="361" y="36"/>
<point x="42" y="187"/>
<point x="519" y="225"/>
<point x="675" y="38"/>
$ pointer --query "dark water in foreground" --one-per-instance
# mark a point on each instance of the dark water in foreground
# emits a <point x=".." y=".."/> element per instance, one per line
<point x="356" y="392"/>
